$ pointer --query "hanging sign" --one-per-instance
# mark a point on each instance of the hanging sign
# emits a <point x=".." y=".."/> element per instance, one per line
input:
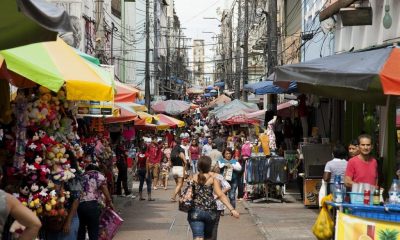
<point x="95" y="108"/>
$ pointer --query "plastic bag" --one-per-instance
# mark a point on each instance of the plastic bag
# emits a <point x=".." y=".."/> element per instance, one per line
<point x="322" y="192"/>
<point x="186" y="198"/>
<point x="110" y="221"/>
<point x="323" y="227"/>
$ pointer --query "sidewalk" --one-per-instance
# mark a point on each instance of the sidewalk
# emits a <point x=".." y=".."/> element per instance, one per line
<point x="144" y="220"/>
<point x="283" y="221"/>
<point x="161" y="219"/>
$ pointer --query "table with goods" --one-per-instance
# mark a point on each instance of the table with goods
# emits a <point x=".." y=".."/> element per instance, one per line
<point x="361" y="214"/>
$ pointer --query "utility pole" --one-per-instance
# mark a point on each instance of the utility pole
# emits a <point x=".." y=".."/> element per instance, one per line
<point x="272" y="45"/>
<point x="158" y="84"/>
<point x="147" y="59"/>
<point x="230" y="50"/>
<point x="246" y="48"/>
<point x="238" y="52"/>
<point x="123" y="40"/>
<point x="167" y="60"/>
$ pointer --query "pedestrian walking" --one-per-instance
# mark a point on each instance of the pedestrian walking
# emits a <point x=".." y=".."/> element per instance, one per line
<point x="202" y="217"/>
<point x="164" y="173"/>
<point x="153" y="161"/>
<point x="194" y="150"/>
<point x="122" y="166"/>
<point x="230" y="169"/>
<point x="178" y="161"/>
<point x="94" y="186"/>
<point x="143" y="174"/>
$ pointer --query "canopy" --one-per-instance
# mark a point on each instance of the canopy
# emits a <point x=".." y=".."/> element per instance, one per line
<point x="146" y="116"/>
<point x="170" y="121"/>
<point x="287" y="104"/>
<point x="268" y="87"/>
<point x="240" y="119"/>
<point x="53" y="64"/>
<point x="234" y="108"/>
<point x="24" y="22"/>
<point x="360" y="76"/>
<point x="195" y="90"/>
<point x="125" y="93"/>
<point x="220" y="100"/>
<point x="132" y="106"/>
<point x="88" y="57"/>
<point x="172" y="107"/>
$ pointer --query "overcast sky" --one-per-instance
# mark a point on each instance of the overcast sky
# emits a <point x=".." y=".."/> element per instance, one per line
<point x="191" y="14"/>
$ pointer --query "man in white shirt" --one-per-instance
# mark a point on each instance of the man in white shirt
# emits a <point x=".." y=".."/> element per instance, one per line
<point x="207" y="148"/>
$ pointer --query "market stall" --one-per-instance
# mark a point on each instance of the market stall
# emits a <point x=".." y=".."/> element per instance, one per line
<point x="369" y="77"/>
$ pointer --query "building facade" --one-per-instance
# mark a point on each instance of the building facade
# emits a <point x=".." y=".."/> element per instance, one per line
<point x="198" y="62"/>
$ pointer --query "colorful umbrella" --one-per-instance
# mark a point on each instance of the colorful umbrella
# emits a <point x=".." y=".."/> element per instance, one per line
<point x="172" y="107"/>
<point x="25" y="22"/>
<point x="240" y="119"/>
<point x="55" y="64"/>
<point x="170" y="121"/>
<point x="125" y="93"/>
<point x="132" y="106"/>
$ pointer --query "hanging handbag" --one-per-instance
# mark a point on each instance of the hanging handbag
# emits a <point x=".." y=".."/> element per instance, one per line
<point x="186" y="198"/>
<point x="110" y="221"/>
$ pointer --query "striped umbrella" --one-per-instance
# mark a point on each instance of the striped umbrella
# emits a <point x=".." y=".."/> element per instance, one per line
<point x="55" y="64"/>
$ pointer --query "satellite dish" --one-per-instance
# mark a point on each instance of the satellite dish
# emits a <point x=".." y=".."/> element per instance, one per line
<point x="328" y="25"/>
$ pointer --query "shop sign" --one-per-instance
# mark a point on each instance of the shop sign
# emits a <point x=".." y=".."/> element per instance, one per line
<point x="95" y="108"/>
<point x="354" y="228"/>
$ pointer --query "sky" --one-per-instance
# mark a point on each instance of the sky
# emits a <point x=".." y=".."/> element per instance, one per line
<point x="191" y="13"/>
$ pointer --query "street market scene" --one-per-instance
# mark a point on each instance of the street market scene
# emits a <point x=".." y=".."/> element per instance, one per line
<point x="211" y="119"/>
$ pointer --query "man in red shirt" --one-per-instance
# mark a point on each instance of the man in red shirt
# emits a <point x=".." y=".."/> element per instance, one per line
<point x="153" y="161"/>
<point x="362" y="168"/>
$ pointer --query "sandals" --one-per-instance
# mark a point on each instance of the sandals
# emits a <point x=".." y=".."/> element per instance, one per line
<point x="141" y="199"/>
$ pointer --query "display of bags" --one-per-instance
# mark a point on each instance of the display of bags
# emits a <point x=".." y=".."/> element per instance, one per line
<point x="110" y="221"/>
<point x="186" y="198"/>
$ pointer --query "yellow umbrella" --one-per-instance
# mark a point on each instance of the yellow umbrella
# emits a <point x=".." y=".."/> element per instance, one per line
<point x="55" y="64"/>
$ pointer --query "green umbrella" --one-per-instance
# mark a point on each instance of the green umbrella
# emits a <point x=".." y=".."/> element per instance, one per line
<point x="24" y="22"/>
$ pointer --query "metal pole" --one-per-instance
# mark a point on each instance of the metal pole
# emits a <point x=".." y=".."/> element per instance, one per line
<point x="238" y="53"/>
<point x="273" y="45"/>
<point x="157" y="79"/>
<point x="147" y="60"/>
<point x="123" y="40"/>
<point x="167" y="60"/>
<point x="246" y="48"/>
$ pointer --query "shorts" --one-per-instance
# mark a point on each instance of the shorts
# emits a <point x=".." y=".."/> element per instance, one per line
<point x="154" y="169"/>
<point x="164" y="174"/>
<point x="202" y="222"/>
<point x="177" y="172"/>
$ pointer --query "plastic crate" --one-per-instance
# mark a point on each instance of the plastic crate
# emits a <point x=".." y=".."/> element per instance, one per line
<point x="388" y="214"/>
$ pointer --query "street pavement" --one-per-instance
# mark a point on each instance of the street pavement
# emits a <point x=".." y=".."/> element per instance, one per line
<point x="160" y="219"/>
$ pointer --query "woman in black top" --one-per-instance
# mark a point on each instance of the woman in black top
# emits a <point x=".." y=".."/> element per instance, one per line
<point x="178" y="161"/>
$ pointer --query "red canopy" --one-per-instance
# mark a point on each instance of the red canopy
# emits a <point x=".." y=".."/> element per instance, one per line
<point x="236" y="120"/>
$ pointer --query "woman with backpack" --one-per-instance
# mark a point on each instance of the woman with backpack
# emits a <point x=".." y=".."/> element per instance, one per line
<point x="179" y="163"/>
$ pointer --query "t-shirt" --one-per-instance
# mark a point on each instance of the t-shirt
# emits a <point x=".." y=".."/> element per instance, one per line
<point x="361" y="171"/>
<point x="152" y="153"/>
<point x="206" y="150"/>
<point x="141" y="161"/>
<point x="91" y="182"/>
<point x="246" y="150"/>
<point x="336" y="166"/>
<point x="175" y="159"/>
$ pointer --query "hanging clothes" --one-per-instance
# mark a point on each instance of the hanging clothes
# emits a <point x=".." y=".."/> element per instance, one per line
<point x="264" y="139"/>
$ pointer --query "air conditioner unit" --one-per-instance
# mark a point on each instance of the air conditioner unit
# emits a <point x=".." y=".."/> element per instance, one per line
<point x="356" y="16"/>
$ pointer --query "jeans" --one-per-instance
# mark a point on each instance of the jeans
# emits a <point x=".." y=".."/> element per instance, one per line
<point x="142" y="178"/>
<point x="216" y="224"/>
<point x="232" y="192"/>
<point x="241" y="184"/>
<point x="89" y="217"/>
<point x="202" y="222"/>
<point x="194" y="166"/>
<point x="72" y="235"/>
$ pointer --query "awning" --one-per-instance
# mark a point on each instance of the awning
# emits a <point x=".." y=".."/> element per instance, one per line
<point x="220" y="100"/>
<point x="24" y="22"/>
<point x="170" y="121"/>
<point x="219" y="84"/>
<point x="358" y="76"/>
<point x="287" y="104"/>
<point x="125" y="93"/>
<point x="240" y="119"/>
<point x="268" y="87"/>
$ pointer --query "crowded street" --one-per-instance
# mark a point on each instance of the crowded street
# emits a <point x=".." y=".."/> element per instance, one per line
<point x="203" y="120"/>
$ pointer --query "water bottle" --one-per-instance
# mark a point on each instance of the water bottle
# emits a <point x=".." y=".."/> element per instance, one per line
<point x="394" y="192"/>
<point x="338" y="193"/>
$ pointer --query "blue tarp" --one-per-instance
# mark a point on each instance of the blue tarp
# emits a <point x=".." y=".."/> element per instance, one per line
<point x="268" y="87"/>
<point x="207" y="95"/>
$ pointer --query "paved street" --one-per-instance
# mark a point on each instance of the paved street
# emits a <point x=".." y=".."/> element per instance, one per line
<point x="161" y="220"/>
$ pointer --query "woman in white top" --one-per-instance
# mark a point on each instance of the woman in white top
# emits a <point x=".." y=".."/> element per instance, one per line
<point x="336" y="166"/>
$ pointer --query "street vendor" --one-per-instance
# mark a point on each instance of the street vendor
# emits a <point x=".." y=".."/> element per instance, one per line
<point x="362" y="168"/>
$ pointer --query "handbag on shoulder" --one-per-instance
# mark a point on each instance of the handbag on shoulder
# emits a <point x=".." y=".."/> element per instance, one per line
<point x="186" y="198"/>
